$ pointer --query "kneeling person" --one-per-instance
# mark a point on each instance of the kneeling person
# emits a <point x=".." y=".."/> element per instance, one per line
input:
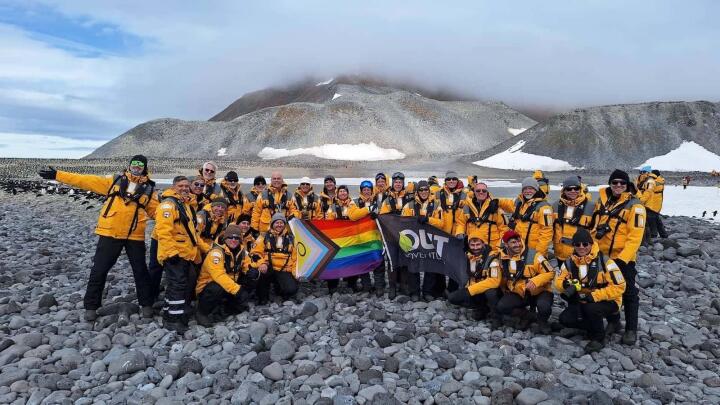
<point x="593" y="285"/>
<point x="221" y="286"/>
<point x="527" y="277"/>
<point x="274" y="256"/>
<point x="483" y="289"/>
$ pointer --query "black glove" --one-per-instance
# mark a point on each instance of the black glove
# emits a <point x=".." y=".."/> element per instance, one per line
<point x="620" y="263"/>
<point x="49" y="174"/>
<point x="373" y="215"/>
<point x="373" y="208"/>
<point x="459" y="296"/>
<point x="253" y="274"/>
<point x="422" y="219"/>
<point x="570" y="291"/>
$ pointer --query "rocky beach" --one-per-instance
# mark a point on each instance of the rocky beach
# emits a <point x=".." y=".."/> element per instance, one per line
<point x="342" y="349"/>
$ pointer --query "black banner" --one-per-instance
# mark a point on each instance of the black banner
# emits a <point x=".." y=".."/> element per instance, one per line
<point x="423" y="248"/>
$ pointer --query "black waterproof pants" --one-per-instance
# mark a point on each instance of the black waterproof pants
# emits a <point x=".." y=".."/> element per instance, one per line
<point x="588" y="316"/>
<point x="433" y="285"/>
<point x="213" y="297"/>
<point x="106" y="255"/>
<point x="631" y="298"/>
<point x="542" y="303"/>
<point x="379" y="277"/>
<point x="155" y="269"/>
<point x="485" y="302"/>
<point x="181" y="277"/>
<point x="285" y="285"/>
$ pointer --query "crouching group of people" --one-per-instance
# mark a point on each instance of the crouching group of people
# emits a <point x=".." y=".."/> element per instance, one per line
<point x="517" y="285"/>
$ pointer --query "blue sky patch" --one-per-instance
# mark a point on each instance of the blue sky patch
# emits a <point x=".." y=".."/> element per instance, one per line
<point x="81" y="36"/>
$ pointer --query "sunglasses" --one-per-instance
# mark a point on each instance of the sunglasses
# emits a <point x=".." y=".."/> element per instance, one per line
<point x="451" y="179"/>
<point x="198" y="184"/>
<point x="304" y="184"/>
<point x="210" y="170"/>
<point x="618" y="182"/>
<point x="573" y="188"/>
<point x="137" y="163"/>
<point x="423" y="189"/>
<point x="482" y="190"/>
<point x="581" y="244"/>
<point x="233" y="237"/>
<point x="231" y="181"/>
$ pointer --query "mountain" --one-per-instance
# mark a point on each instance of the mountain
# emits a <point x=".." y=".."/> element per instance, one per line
<point x="315" y="115"/>
<point x="625" y="135"/>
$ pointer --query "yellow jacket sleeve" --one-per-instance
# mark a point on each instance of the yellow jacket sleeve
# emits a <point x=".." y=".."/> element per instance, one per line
<point x="152" y="205"/>
<point x="165" y="225"/>
<point x="385" y="207"/>
<point x="460" y="222"/>
<point x="355" y="212"/>
<point x="544" y="272"/>
<point x="436" y="220"/>
<point x="564" y="274"/>
<point x="545" y="222"/>
<point x="635" y="229"/>
<point x="507" y="204"/>
<point x="292" y="210"/>
<point x="247" y="207"/>
<point x="96" y="184"/>
<point x="647" y="192"/>
<point x="256" y="213"/>
<point x="615" y="284"/>
<point x="258" y="253"/>
<point x="215" y="265"/>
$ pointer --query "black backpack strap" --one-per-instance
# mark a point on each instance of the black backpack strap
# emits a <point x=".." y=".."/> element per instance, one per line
<point x="183" y="218"/>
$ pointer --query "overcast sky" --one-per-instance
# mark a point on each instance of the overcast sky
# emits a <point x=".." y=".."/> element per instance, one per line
<point x="89" y="70"/>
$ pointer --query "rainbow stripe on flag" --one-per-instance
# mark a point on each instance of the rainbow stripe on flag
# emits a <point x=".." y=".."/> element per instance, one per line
<point x="336" y="249"/>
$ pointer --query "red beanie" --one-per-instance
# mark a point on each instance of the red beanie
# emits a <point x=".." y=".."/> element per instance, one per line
<point x="510" y="234"/>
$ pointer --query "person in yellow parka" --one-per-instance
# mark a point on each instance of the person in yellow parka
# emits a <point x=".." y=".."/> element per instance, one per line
<point x="526" y="280"/>
<point x="483" y="290"/>
<point x="305" y="199"/>
<point x="211" y="223"/>
<point x="275" y="199"/>
<point x="367" y="200"/>
<point x="224" y="280"/>
<point x="532" y="216"/>
<point x="572" y="211"/>
<point x="543" y="182"/>
<point x="619" y="228"/>
<point x="593" y="286"/>
<point x="427" y="211"/>
<point x="208" y="171"/>
<point x="178" y="252"/>
<point x="450" y="200"/>
<point x="657" y="228"/>
<point x="131" y="200"/>
<point x="434" y="184"/>
<point x="259" y="185"/>
<point x="472" y="180"/>
<point x="249" y="236"/>
<point x="275" y="256"/>
<point x="397" y="195"/>
<point x="481" y="212"/>
<point x="237" y="203"/>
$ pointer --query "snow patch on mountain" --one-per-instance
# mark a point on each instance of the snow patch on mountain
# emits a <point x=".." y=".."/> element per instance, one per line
<point x="222" y="152"/>
<point x="356" y="152"/>
<point x="515" y="159"/>
<point x="689" y="156"/>
<point x="325" y="82"/>
<point x="516" y="131"/>
<point x="336" y="96"/>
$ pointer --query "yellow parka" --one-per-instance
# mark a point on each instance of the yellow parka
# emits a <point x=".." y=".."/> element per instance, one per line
<point x="342" y="209"/>
<point x="176" y="231"/>
<point x="608" y="285"/>
<point x="485" y="217"/>
<point x="533" y="220"/>
<point x="268" y="203"/>
<point x="516" y="273"/>
<point x="395" y="201"/>
<point x="306" y="204"/>
<point x="224" y="267"/>
<point x="451" y="203"/>
<point x="645" y="186"/>
<point x="122" y="216"/>
<point x="543" y="182"/>
<point x="276" y="250"/>
<point x="209" y="227"/>
<point x="619" y="225"/>
<point x="568" y="216"/>
<point x="238" y="204"/>
<point x="211" y="189"/>
<point x="483" y="276"/>
<point x="429" y="208"/>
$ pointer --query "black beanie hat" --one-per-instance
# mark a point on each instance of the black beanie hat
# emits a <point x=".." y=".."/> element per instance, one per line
<point x="329" y="177"/>
<point x="141" y="158"/>
<point x="618" y="174"/>
<point x="231" y="176"/>
<point x="343" y="187"/>
<point x="582" y="235"/>
<point x="259" y="180"/>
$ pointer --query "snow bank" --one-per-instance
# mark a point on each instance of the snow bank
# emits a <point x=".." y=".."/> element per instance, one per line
<point x="325" y="82"/>
<point x="516" y="131"/>
<point x="362" y="151"/>
<point x="688" y="157"/>
<point x="222" y="152"/>
<point x="13" y="145"/>
<point x="515" y="159"/>
<point x="336" y="96"/>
